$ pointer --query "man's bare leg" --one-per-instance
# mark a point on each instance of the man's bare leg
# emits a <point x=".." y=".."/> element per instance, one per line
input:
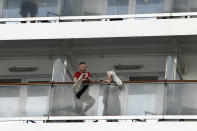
<point x="109" y="78"/>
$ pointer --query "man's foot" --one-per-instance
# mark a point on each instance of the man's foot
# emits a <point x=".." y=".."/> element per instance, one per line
<point x="108" y="81"/>
<point x="117" y="80"/>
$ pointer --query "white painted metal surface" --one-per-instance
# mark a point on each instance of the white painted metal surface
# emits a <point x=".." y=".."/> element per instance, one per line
<point x="59" y="71"/>
<point x="104" y="29"/>
<point x="104" y="117"/>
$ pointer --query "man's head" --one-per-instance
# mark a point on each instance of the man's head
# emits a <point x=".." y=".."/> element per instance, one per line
<point x="82" y="67"/>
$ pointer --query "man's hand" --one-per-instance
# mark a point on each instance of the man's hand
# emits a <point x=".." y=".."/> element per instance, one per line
<point x="108" y="81"/>
<point x="75" y="80"/>
<point x="84" y="79"/>
<point x="90" y="79"/>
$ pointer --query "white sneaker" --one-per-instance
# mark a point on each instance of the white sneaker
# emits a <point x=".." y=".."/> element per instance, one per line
<point x="115" y="78"/>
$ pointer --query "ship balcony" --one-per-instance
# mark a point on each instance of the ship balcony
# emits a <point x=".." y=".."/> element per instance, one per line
<point x="105" y="33"/>
<point x="57" y="19"/>
<point x="163" y="99"/>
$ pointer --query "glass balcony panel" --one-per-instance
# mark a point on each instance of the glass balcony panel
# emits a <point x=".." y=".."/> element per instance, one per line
<point x="116" y="101"/>
<point x="51" y="8"/>
<point x="31" y="8"/>
<point x="152" y="6"/>
<point x="37" y="100"/>
<point x="98" y="100"/>
<point x="24" y="100"/>
<point x="117" y="7"/>
<point x="72" y="8"/>
<point x="64" y="102"/>
<point x="145" y="99"/>
<point x="185" y="6"/>
<point x="181" y="99"/>
<point x="84" y="7"/>
<point x="9" y="101"/>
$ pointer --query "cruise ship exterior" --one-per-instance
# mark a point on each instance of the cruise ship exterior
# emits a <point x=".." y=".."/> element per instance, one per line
<point x="150" y="44"/>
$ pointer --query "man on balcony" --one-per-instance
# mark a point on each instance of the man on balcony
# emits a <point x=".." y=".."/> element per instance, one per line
<point x="81" y="79"/>
<point x="82" y="70"/>
<point x="82" y="93"/>
<point x="29" y="7"/>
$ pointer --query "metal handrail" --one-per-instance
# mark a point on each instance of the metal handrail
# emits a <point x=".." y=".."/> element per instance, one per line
<point x="98" y="82"/>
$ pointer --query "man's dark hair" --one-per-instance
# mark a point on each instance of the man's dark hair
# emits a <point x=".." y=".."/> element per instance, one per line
<point x="82" y="63"/>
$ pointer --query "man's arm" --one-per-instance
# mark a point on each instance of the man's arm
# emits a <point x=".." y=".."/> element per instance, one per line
<point x="90" y="79"/>
<point x="76" y="76"/>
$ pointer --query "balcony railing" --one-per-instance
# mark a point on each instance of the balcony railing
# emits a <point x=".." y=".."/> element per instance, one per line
<point x="53" y="8"/>
<point x="136" y="99"/>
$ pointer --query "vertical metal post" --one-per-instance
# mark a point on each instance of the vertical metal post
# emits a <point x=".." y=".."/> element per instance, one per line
<point x="171" y="66"/>
<point x="1" y="7"/>
<point x="58" y="75"/>
<point x="131" y="6"/>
